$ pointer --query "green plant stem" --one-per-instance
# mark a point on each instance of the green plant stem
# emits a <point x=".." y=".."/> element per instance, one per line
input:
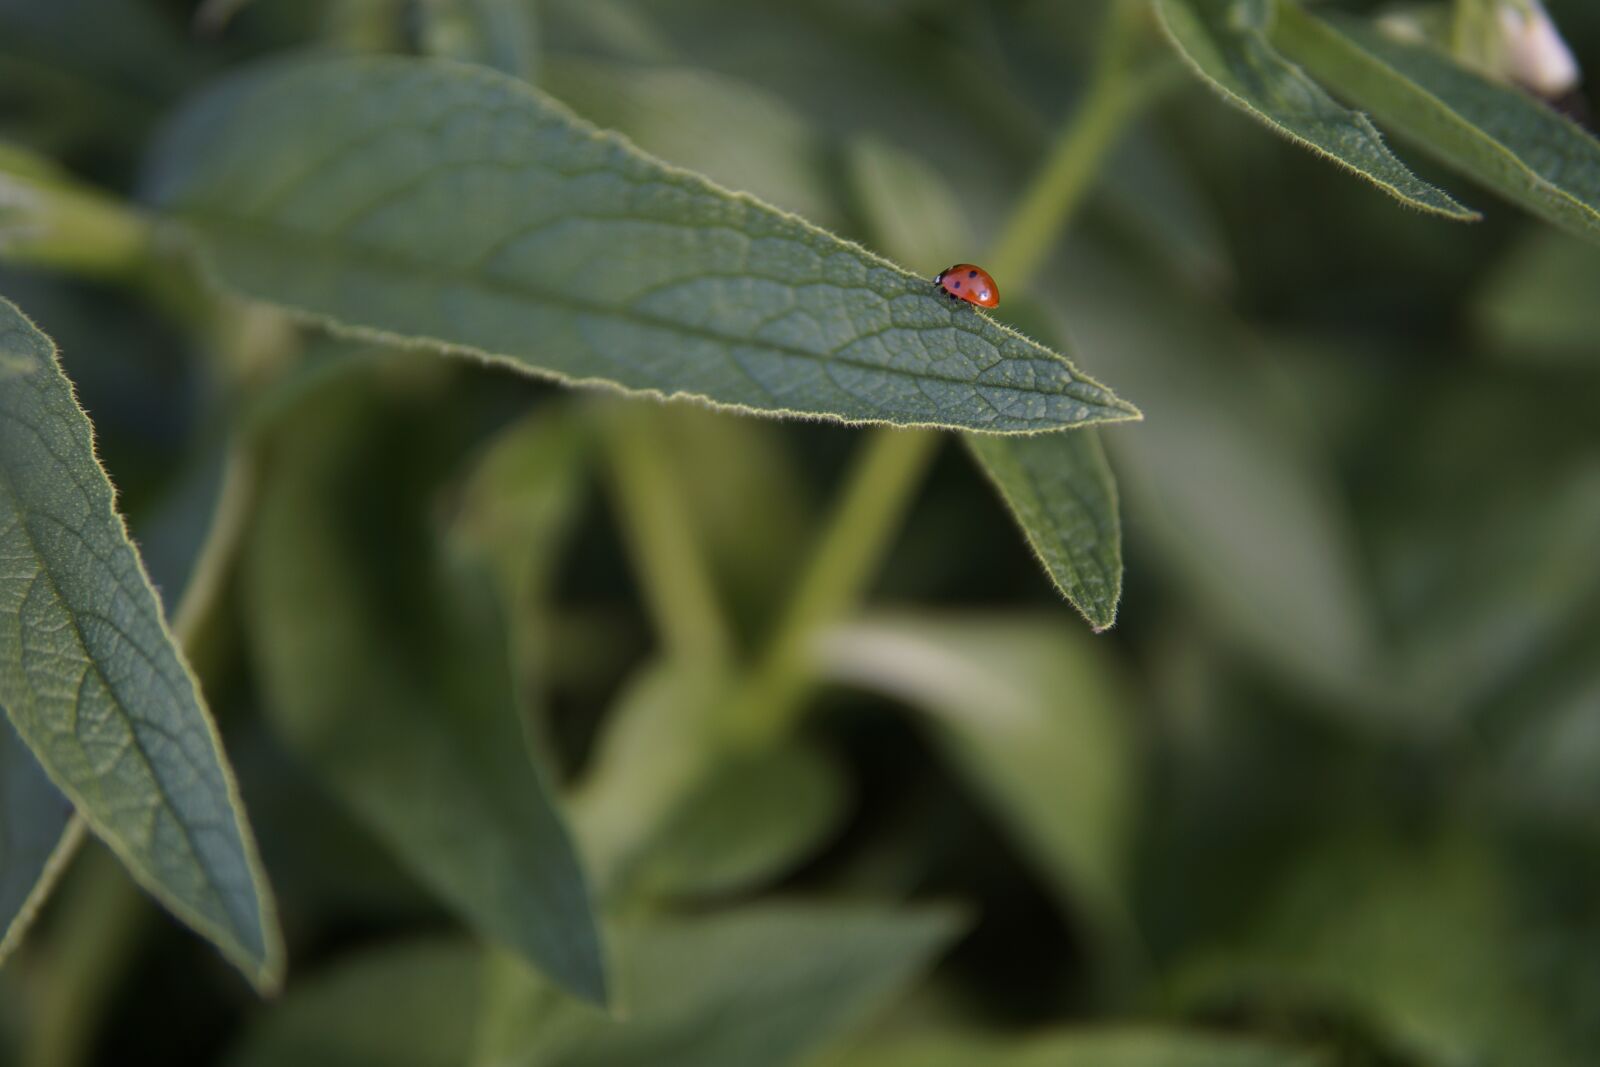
<point x="882" y="483"/>
<point x="661" y="536"/>
<point x="100" y="920"/>
<point x="888" y="470"/>
<point x="1115" y="95"/>
<point x="66" y="226"/>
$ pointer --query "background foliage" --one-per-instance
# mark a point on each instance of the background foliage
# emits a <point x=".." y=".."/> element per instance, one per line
<point x="480" y="719"/>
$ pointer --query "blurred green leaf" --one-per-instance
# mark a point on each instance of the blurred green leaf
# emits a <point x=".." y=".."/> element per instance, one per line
<point x="660" y="745"/>
<point x="1154" y="198"/>
<point x="332" y="187"/>
<point x="1149" y="1047"/>
<point x="93" y="680"/>
<point x="412" y="1004"/>
<point x="1061" y="491"/>
<point x="1415" y="935"/>
<point x="1483" y="540"/>
<point x="1497" y="134"/>
<point x="385" y="669"/>
<point x="1226" y="42"/>
<point x="1537" y="307"/>
<point x="754" y="817"/>
<point x="1035" y="721"/>
<point x="1223" y="482"/>
<point x="500" y="34"/>
<point x="737" y="134"/>
<point x="88" y="74"/>
<point x="1549" y="768"/>
<point x="37" y="837"/>
<point x="912" y="212"/>
<point x="764" y="985"/>
<point x="516" y="511"/>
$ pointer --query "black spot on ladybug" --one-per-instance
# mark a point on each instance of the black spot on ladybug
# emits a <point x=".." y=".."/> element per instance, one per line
<point x="970" y="274"/>
<point x="958" y="285"/>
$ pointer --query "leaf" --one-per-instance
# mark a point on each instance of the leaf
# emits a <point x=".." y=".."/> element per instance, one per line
<point x="412" y="1004"/>
<point x="333" y="187"/>
<point x="755" y="817"/>
<point x="386" y="671"/>
<point x="1418" y="936"/>
<point x="764" y="985"/>
<point x="1108" y="1047"/>
<point x="661" y="744"/>
<point x="1221" y="481"/>
<point x="92" y="679"/>
<point x="736" y="134"/>
<point x="1504" y="138"/>
<point x="517" y="509"/>
<point x="37" y="836"/>
<point x="1061" y="490"/>
<point x="1226" y="43"/>
<point x="1537" y="306"/>
<point x="500" y="34"/>
<point x="914" y="213"/>
<point x="1028" y="714"/>
<point x="1058" y="486"/>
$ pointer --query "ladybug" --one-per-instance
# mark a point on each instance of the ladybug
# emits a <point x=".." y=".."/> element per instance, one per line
<point x="972" y="284"/>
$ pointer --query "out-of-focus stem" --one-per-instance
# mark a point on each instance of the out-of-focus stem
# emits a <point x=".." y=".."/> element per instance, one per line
<point x="649" y="494"/>
<point x="881" y="485"/>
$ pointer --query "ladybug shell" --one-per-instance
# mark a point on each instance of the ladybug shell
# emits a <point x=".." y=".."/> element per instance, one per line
<point x="972" y="284"/>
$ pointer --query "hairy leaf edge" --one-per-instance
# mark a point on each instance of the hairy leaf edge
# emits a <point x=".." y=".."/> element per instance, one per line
<point x="1123" y="411"/>
<point x="1465" y="214"/>
<point x="1311" y="24"/>
<point x="1098" y="624"/>
<point x="266" y="973"/>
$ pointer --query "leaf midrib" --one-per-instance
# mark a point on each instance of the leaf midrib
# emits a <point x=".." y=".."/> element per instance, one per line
<point x="215" y="890"/>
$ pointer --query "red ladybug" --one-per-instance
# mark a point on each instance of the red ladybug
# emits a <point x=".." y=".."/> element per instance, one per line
<point x="972" y="284"/>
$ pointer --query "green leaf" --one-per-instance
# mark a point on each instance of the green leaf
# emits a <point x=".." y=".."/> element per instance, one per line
<point x="915" y="215"/>
<point x="1226" y="43"/>
<point x="1223" y="481"/>
<point x="1504" y="138"/>
<point x="756" y="816"/>
<point x="1029" y="714"/>
<point x="385" y="669"/>
<point x="1061" y="490"/>
<point x="412" y="1004"/>
<point x="1145" y="1047"/>
<point x="1537" y="307"/>
<point x="500" y="34"/>
<point x="37" y="837"/>
<point x="660" y="746"/>
<point x="333" y="188"/>
<point x="1058" y="486"/>
<point x="765" y="985"/>
<point x="1418" y="935"/>
<point x="736" y="134"/>
<point x="93" y="680"/>
<point x="517" y="509"/>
